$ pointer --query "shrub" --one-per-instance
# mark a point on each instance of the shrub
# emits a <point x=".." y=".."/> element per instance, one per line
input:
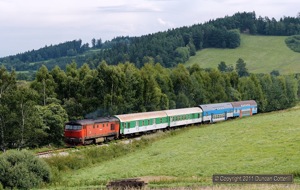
<point x="293" y="42"/>
<point x="22" y="170"/>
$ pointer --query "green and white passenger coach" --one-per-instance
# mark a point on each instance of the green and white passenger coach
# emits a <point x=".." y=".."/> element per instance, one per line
<point x="184" y="116"/>
<point x="151" y="121"/>
<point x="142" y="122"/>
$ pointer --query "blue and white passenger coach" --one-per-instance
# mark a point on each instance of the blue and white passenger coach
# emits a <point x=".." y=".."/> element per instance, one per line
<point x="216" y="112"/>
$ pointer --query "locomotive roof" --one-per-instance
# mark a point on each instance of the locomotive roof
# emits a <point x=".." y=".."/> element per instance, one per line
<point x="91" y="121"/>
<point x="183" y="111"/>
<point x="218" y="106"/>
<point x="140" y="116"/>
<point x="244" y="103"/>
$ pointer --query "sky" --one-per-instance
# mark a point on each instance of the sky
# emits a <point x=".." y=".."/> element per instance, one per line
<point x="32" y="24"/>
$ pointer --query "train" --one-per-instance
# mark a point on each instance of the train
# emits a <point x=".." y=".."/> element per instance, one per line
<point x="88" y="131"/>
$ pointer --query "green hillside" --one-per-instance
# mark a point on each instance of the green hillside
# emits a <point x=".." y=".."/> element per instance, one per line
<point x="263" y="144"/>
<point x="262" y="54"/>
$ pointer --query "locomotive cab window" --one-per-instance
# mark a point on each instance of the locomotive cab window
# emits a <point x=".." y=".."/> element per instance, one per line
<point x="73" y="127"/>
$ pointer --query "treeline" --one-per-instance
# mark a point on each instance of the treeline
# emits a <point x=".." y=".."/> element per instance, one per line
<point x="21" y="61"/>
<point x="169" y="48"/>
<point x="34" y="114"/>
<point x="249" y="23"/>
<point x="70" y="48"/>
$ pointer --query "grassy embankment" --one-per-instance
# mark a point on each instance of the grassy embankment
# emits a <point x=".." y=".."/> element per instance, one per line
<point x="262" y="54"/>
<point x="264" y="144"/>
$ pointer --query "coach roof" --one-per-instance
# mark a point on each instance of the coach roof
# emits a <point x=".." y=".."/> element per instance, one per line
<point x="244" y="103"/>
<point x="141" y="116"/>
<point x="183" y="111"/>
<point x="218" y="106"/>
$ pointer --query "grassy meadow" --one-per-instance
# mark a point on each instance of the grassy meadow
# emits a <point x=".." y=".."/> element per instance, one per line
<point x="262" y="54"/>
<point x="264" y="144"/>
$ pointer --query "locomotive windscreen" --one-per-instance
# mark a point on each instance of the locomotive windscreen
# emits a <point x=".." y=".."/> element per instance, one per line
<point x="73" y="127"/>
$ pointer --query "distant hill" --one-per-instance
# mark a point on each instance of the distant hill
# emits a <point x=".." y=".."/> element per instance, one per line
<point x="175" y="46"/>
<point x="262" y="54"/>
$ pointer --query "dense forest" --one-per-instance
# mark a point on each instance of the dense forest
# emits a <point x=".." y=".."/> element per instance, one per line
<point x="33" y="114"/>
<point x="168" y="48"/>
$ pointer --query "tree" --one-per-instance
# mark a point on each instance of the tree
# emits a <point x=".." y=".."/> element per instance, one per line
<point x="198" y="79"/>
<point x="24" y="101"/>
<point x="132" y="89"/>
<point x="233" y="39"/>
<point x="93" y="43"/>
<point x="23" y="170"/>
<point x="291" y="90"/>
<point x="60" y="78"/>
<point x="222" y="66"/>
<point x="99" y="43"/>
<point x="152" y="93"/>
<point x="7" y="85"/>
<point x="54" y="117"/>
<point x="44" y="84"/>
<point x="182" y="54"/>
<point x="241" y="68"/>
<point x="216" y="87"/>
<point x="275" y="73"/>
<point x="7" y="80"/>
<point x="192" y="48"/>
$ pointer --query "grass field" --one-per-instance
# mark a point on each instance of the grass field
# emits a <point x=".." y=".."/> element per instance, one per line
<point x="262" y="54"/>
<point x="263" y="144"/>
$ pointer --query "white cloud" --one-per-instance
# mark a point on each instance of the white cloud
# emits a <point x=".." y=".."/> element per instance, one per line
<point x="165" y="23"/>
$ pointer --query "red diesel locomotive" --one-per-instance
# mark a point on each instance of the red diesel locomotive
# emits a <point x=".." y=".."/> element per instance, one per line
<point x="89" y="131"/>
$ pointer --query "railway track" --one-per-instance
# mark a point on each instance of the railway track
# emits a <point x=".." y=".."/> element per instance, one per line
<point x="49" y="153"/>
<point x="65" y="151"/>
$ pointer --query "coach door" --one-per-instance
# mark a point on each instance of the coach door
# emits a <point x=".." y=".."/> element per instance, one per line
<point x="137" y="126"/>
